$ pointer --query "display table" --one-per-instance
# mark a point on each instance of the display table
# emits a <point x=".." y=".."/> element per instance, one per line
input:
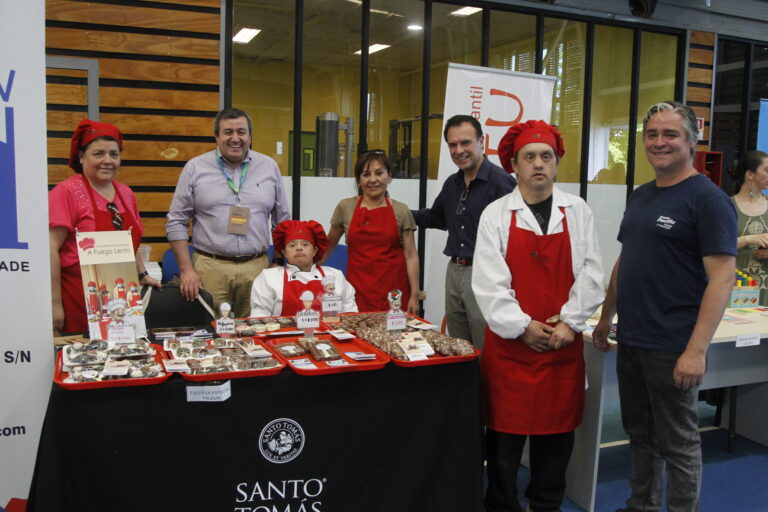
<point x="727" y="366"/>
<point x="395" y="439"/>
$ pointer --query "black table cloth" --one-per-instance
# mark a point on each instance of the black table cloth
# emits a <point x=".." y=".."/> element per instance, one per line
<point x="395" y="440"/>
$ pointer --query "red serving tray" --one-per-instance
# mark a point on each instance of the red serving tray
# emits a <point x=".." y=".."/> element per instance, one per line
<point x="260" y="334"/>
<point x="431" y="360"/>
<point x="241" y="374"/>
<point x="59" y="375"/>
<point x="352" y="345"/>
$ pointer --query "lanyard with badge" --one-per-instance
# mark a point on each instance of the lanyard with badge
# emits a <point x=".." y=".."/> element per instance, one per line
<point x="238" y="215"/>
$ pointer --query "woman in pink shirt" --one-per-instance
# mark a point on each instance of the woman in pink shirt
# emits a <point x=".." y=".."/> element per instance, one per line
<point x="91" y="200"/>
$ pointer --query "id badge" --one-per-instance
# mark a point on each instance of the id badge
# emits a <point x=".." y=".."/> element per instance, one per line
<point x="238" y="220"/>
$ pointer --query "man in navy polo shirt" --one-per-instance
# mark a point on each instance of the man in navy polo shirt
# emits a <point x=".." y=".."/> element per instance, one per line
<point x="457" y="209"/>
<point x="670" y="286"/>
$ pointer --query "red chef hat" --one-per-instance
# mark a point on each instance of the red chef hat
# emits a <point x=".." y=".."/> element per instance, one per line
<point x="526" y="133"/>
<point x="309" y="230"/>
<point x="87" y="131"/>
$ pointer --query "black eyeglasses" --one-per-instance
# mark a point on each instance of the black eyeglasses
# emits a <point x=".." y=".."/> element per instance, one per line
<point x="117" y="218"/>
<point x="461" y="206"/>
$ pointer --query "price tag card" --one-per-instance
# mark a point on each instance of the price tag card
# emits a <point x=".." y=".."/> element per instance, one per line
<point x="116" y="368"/>
<point x="175" y="365"/>
<point x="214" y="393"/>
<point x="331" y="304"/>
<point x="413" y="350"/>
<point x="225" y="326"/>
<point x="747" y="340"/>
<point x="418" y="340"/>
<point x="121" y="334"/>
<point x="307" y="319"/>
<point x="341" y="334"/>
<point x="396" y="321"/>
<point x="338" y="362"/>
<point x="256" y="351"/>
<point x="304" y="362"/>
<point x="361" y="356"/>
<point x="418" y="324"/>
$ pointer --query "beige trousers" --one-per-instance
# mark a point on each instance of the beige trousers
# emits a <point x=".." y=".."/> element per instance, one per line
<point x="228" y="281"/>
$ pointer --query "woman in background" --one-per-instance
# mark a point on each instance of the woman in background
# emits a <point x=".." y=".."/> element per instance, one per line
<point x="750" y="180"/>
<point x="379" y="231"/>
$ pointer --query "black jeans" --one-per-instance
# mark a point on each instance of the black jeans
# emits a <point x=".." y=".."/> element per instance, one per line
<point x="662" y="423"/>
<point x="549" y="456"/>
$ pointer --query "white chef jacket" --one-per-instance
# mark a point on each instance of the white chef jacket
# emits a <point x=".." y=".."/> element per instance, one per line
<point x="267" y="289"/>
<point x="492" y="281"/>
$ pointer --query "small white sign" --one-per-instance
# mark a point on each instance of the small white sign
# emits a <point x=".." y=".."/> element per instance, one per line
<point x="216" y="393"/>
<point x="361" y="356"/>
<point x="308" y="319"/>
<point x="116" y="368"/>
<point x="418" y="324"/>
<point x="396" y="321"/>
<point x="304" y="363"/>
<point x="747" y="340"/>
<point x="175" y="365"/>
<point x="225" y="326"/>
<point x="341" y="334"/>
<point x="123" y="334"/>
<point x="331" y="304"/>
<point x="338" y="362"/>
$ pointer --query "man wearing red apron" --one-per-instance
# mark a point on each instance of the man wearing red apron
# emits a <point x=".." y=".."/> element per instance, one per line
<point x="537" y="279"/>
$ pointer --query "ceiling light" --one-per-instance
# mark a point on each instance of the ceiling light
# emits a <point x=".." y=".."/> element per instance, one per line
<point x="465" y="11"/>
<point x="244" y="35"/>
<point x="373" y="49"/>
<point x="415" y="27"/>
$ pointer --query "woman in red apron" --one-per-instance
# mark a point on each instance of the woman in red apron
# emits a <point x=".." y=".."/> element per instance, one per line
<point x="91" y="200"/>
<point x="534" y="383"/>
<point x="284" y="291"/>
<point x="379" y="233"/>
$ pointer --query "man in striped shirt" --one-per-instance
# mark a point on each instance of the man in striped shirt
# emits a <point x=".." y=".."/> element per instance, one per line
<point x="232" y="193"/>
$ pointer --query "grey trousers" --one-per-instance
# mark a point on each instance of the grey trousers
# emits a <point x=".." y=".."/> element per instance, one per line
<point x="463" y="316"/>
<point x="662" y="423"/>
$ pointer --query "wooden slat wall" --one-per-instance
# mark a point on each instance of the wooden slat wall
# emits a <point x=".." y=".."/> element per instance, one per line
<point x="159" y="83"/>
<point x="701" y="54"/>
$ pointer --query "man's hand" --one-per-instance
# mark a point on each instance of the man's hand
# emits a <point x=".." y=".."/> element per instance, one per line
<point x="189" y="284"/>
<point x="562" y="336"/>
<point x="600" y="335"/>
<point x="689" y="370"/>
<point x="537" y="336"/>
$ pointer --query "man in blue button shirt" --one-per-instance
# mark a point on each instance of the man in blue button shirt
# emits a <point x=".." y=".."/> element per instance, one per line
<point x="457" y="209"/>
<point x="235" y="196"/>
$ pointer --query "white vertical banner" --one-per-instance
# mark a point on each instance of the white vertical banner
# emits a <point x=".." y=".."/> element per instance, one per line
<point x="26" y="350"/>
<point x="498" y="99"/>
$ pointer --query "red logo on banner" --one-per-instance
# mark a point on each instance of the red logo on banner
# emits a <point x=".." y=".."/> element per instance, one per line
<point x="513" y="122"/>
<point x="494" y="122"/>
<point x="87" y="243"/>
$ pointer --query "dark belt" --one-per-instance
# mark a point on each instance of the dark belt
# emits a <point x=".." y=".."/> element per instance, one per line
<point x="234" y="259"/>
<point x="463" y="262"/>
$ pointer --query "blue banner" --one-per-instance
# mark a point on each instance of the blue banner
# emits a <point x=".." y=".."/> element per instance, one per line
<point x="762" y="127"/>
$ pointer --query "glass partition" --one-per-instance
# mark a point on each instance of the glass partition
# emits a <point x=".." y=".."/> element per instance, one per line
<point x="565" y="47"/>
<point x="262" y="75"/>
<point x="658" y="65"/>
